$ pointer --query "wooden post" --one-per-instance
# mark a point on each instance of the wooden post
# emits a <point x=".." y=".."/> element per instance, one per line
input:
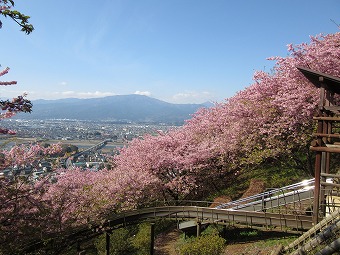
<point x="317" y="187"/>
<point x="317" y="170"/>
<point x="224" y="233"/>
<point x="198" y="230"/>
<point x="152" y="237"/>
<point x="79" y="250"/>
<point x="107" y="243"/>
<point x="322" y="201"/>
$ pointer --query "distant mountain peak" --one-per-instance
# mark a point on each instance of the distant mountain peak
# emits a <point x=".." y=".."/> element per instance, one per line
<point x="133" y="108"/>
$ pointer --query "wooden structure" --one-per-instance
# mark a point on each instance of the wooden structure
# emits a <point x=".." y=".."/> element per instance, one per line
<point x="327" y="136"/>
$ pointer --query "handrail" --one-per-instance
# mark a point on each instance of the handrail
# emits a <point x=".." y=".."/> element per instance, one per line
<point x="207" y="215"/>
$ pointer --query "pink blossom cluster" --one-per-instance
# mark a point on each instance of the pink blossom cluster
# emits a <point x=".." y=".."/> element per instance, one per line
<point x="54" y="206"/>
<point x="6" y="83"/>
<point x="3" y="72"/>
<point x="4" y="6"/>
<point x="22" y="155"/>
<point x="8" y="108"/>
<point x="21" y="205"/>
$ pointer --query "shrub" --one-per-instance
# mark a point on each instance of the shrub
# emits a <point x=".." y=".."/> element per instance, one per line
<point x="119" y="242"/>
<point x="209" y="243"/>
<point x="141" y="241"/>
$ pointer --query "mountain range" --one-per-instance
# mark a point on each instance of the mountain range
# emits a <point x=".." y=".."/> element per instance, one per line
<point x="121" y="108"/>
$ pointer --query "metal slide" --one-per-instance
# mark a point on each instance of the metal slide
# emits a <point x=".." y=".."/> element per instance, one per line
<point x="274" y="198"/>
<point x="283" y="200"/>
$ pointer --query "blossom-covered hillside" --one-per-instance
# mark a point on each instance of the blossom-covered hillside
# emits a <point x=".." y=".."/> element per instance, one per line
<point x="269" y="120"/>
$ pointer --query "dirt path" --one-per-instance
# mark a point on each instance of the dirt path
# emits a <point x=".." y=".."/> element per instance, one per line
<point x="247" y="249"/>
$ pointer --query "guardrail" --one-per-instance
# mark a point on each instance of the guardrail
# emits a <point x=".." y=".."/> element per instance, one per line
<point x="316" y="235"/>
<point x="213" y="215"/>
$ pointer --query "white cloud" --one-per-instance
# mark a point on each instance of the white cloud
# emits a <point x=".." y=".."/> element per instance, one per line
<point x="143" y="93"/>
<point x="67" y="94"/>
<point x="63" y="83"/>
<point x="8" y="92"/>
<point x="192" y="97"/>
<point x="33" y="95"/>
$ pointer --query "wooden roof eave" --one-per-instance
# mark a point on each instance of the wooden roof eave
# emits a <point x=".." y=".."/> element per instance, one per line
<point x="329" y="82"/>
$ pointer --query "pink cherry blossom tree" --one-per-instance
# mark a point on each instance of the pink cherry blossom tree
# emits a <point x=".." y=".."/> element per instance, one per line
<point x="270" y="119"/>
<point x="8" y="108"/>
<point x="273" y="117"/>
<point x="21" y="208"/>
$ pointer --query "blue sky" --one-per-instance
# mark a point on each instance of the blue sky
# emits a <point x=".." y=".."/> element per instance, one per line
<point x="179" y="51"/>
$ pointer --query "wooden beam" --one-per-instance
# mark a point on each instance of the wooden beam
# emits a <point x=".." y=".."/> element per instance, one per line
<point x="332" y="108"/>
<point x="327" y="135"/>
<point x="326" y="149"/>
<point x="330" y="175"/>
<point x="330" y="184"/>
<point x="326" y="118"/>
